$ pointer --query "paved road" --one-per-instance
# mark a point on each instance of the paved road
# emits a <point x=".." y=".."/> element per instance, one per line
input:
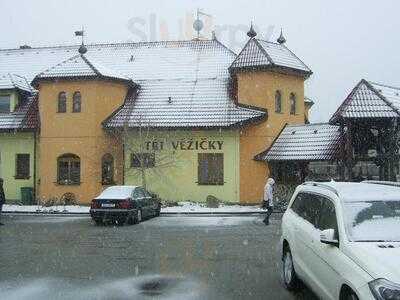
<point x="163" y="258"/>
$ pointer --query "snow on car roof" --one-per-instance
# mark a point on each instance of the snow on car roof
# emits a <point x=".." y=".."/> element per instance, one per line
<point x="117" y="192"/>
<point x="364" y="191"/>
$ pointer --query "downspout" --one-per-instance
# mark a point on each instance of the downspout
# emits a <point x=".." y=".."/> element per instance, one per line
<point x="123" y="163"/>
<point x="34" y="166"/>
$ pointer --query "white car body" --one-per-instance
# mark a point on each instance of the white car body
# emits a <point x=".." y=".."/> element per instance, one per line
<point x="328" y="269"/>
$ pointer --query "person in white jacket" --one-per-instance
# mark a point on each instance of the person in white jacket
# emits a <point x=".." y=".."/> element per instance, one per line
<point x="269" y="198"/>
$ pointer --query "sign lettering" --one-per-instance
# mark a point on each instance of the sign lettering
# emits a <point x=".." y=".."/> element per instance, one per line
<point x="185" y="145"/>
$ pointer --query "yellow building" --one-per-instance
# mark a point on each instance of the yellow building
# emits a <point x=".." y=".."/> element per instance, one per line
<point x="269" y="76"/>
<point x="264" y="77"/>
<point x="186" y="118"/>
<point x="77" y="157"/>
<point x="18" y="128"/>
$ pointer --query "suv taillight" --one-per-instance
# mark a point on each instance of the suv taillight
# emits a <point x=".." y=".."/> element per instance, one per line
<point x="126" y="204"/>
<point x="94" y="204"/>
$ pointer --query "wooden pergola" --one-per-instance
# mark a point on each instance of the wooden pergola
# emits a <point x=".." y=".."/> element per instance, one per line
<point x="369" y="125"/>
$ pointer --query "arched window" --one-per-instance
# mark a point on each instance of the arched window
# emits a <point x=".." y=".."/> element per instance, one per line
<point x="292" y="104"/>
<point x="278" y="102"/>
<point x="76" y="102"/>
<point x="68" y="169"/>
<point x="62" y="102"/>
<point x="107" y="169"/>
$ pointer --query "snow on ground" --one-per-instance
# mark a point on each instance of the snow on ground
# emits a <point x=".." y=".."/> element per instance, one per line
<point x="202" y="221"/>
<point x="201" y="208"/>
<point x="140" y="287"/>
<point x="183" y="207"/>
<point x="43" y="209"/>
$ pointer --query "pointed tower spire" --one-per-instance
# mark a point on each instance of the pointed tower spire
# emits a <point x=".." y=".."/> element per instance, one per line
<point x="251" y="33"/>
<point x="281" y="39"/>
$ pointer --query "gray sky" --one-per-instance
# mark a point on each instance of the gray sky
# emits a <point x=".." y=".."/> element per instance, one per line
<point x="342" y="41"/>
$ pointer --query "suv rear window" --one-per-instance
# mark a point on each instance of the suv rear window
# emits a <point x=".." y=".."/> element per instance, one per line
<point x="316" y="209"/>
<point x="308" y="206"/>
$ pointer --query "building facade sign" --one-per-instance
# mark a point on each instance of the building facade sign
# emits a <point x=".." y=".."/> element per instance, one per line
<point x="204" y="144"/>
<point x="185" y="165"/>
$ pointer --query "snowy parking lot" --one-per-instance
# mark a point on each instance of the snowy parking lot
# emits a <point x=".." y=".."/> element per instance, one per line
<point x="171" y="257"/>
<point x="181" y="207"/>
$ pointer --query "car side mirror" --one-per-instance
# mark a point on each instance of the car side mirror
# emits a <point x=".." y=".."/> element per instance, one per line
<point x="328" y="237"/>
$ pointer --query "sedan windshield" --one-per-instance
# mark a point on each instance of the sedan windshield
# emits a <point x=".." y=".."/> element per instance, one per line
<point x="373" y="221"/>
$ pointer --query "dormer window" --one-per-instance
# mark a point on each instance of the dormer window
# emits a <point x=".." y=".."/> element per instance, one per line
<point x="278" y="102"/>
<point x="62" y="102"/>
<point x="292" y="100"/>
<point x="76" y="102"/>
<point x="5" y="103"/>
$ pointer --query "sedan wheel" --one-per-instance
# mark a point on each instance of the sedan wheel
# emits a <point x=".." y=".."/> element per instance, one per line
<point x="158" y="211"/>
<point x="138" y="217"/>
<point x="288" y="273"/>
<point x="130" y="219"/>
<point x="98" y="222"/>
<point x="121" y="222"/>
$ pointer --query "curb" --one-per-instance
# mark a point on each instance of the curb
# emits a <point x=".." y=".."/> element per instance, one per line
<point x="39" y="213"/>
<point x="215" y="213"/>
<point x="72" y="214"/>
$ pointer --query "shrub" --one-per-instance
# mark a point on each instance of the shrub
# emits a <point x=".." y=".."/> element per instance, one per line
<point x="212" y="201"/>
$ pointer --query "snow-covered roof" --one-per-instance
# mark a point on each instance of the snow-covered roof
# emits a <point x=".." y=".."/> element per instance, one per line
<point x="192" y="59"/>
<point x="187" y="86"/>
<point x="79" y="66"/>
<point x="193" y="73"/>
<point x="260" y="53"/>
<point x="370" y="100"/>
<point x="10" y="81"/>
<point x="190" y="103"/>
<point x="390" y="93"/>
<point x="25" y="117"/>
<point x="305" y="142"/>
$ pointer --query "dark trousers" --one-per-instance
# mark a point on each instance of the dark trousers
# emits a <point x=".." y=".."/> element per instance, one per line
<point x="268" y="214"/>
<point x="1" y="208"/>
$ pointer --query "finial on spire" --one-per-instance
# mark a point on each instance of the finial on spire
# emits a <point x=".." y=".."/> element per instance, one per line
<point x="251" y="33"/>
<point x="82" y="49"/>
<point x="281" y="39"/>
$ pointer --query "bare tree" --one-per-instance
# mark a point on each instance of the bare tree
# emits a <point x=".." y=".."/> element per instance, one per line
<point x="150" y="149"/>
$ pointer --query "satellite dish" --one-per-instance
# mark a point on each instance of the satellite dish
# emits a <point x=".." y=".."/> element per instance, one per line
<point x="198" y="25"/>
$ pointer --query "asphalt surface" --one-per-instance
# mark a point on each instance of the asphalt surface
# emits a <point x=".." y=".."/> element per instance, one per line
<point x="170" y="257"/>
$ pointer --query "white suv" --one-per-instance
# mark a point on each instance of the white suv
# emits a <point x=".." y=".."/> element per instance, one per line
<point x="343" y="240"/>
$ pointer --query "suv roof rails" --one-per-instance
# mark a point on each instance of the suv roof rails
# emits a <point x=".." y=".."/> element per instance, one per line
<point x="322" y="185"/>
<point x="389" y="183"/>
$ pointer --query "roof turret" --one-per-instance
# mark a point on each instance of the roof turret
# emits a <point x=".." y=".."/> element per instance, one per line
<point x="281" y="39"/>
<point x="251" y="33"/>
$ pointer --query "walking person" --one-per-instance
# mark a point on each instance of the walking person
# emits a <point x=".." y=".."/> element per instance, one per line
<point x="269" y="198"/>
<point x="2" y="198"/>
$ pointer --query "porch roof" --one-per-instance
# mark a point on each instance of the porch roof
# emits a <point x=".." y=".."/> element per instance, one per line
<point x="305" y="142"/>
